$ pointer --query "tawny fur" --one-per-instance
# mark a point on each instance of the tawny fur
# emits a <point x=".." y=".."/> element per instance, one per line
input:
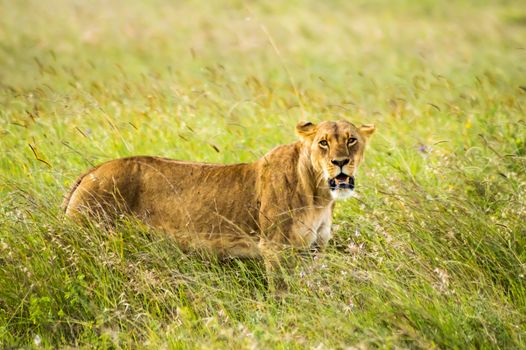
<point x="234" y="210"/>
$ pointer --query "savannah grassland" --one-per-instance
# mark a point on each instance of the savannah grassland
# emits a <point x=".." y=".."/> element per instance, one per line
<point x="431" y="255"/>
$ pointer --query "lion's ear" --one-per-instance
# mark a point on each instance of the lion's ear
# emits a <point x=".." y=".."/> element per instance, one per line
<point x="367" y="130"/>
<point x="305" y="130"/>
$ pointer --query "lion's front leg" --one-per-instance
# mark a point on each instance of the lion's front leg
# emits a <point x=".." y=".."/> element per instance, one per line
<point x="324" y="234"/>
<point x="283" y="234"/>
<point x="275" y="249"/>
<point x="276" y="257"/>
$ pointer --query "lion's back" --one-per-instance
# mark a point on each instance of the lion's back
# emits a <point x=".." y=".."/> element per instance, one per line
<point x="169" y="193"/>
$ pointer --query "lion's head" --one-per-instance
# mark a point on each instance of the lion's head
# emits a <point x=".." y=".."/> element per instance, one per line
<point x="336" y="150"/>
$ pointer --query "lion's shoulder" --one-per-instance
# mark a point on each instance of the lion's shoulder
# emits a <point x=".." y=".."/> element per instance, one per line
<point x="283" y="154"/>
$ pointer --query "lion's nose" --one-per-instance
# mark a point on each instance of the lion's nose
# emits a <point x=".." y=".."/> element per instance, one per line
<point x="340" y="162"/>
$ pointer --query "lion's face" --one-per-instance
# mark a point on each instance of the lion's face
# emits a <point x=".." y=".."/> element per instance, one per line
<point x="336" y="151"/>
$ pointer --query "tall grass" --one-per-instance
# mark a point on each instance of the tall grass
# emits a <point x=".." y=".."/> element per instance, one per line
<point x="431" y="255"/>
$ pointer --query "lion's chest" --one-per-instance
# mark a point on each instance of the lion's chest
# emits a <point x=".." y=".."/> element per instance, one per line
<point x="314" y="226"/>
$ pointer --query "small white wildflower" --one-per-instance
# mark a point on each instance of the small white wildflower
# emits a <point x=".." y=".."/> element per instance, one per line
<point x="320" y="346"/>
<point x="37" y="340"/>
<point x="444" y="279"/>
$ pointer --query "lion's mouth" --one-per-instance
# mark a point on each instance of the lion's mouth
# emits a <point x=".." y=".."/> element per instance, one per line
<point x="341" y="181"/>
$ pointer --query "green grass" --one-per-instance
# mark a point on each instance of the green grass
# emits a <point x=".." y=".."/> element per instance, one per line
<point x="432" y="254"/>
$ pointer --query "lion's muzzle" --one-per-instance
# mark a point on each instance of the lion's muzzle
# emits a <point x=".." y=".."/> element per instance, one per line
<point x="341" y="182"/>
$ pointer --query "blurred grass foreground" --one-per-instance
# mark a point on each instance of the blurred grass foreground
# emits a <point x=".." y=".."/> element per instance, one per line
<point x="432" y="254"/>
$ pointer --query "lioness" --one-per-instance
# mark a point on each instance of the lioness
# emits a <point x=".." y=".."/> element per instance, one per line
<point x="285" y="198"/>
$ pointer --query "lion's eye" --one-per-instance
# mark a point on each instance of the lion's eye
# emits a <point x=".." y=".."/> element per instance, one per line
<point x="323" y="143"/>
<point x="351" y="141"/>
